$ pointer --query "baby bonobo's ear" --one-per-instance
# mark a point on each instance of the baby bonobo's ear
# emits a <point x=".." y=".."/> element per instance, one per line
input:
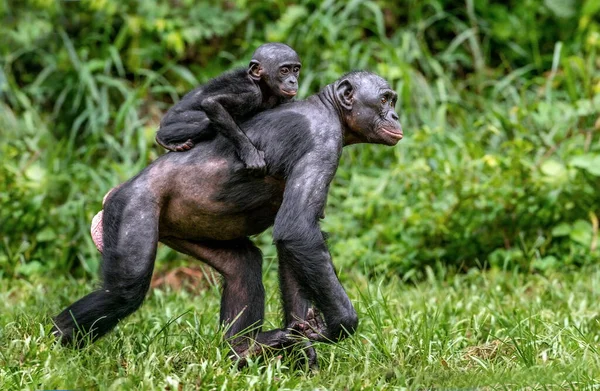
<point x="255" y="70"/>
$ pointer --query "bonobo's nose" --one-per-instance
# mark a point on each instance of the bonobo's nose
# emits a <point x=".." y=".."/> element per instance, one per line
<point x="395" y="116"/>
<point x="292" y="81"/>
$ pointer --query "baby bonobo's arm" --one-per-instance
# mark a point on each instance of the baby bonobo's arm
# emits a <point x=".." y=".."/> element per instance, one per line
<point x="222" y="120"/>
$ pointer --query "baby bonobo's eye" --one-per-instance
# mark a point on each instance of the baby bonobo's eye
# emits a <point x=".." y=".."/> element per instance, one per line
<point x="383" y="100"/>
<point x="285" y="70"/>
<point x="296" y="69"/>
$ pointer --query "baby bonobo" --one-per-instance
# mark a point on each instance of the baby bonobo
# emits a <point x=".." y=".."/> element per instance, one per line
<point x="224" y="102"/>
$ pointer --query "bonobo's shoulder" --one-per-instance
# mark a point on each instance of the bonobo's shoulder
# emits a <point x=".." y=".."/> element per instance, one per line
<point x="307" y="117"/>
<point x="311" y="108"/>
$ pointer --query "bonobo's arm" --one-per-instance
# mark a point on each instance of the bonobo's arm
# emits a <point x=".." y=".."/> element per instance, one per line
<point x="224" y="122"/>
<point x="306" y="270"/>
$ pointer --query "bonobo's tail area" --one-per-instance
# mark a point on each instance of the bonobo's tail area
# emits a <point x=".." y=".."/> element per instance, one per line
<point x="129" y="227"/>
<point x="96" y="230"/>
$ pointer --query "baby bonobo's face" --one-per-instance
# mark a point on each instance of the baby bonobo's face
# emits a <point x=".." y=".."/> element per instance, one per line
<point x="281" y="69"/>
<point x="287" y="80"/>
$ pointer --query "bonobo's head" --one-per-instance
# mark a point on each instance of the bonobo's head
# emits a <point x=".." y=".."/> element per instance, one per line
<point x="276" y="66"/>
<point x="367" y="102"/>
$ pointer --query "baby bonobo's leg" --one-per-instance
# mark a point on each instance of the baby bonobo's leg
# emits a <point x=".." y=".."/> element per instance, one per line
<point x="181" y="129"/>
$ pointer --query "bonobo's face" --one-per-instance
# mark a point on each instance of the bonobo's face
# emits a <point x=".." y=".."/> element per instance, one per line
<point x="278" y="67"/>
<point x="370" y="114"/>
<point x="283" y="79"/>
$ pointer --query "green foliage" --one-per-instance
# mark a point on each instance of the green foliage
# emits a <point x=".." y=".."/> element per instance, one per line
<point x="499" y="101"/>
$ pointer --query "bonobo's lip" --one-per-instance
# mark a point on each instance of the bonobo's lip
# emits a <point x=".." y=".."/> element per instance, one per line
<point x="289" y="92"/>
<point x="395" y="133"/>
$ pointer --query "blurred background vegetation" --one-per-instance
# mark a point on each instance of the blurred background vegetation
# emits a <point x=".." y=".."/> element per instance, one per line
<point x="500" y="102"/>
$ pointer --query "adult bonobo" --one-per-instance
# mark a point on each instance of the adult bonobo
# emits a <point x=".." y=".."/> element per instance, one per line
<point x="205" y="204"/>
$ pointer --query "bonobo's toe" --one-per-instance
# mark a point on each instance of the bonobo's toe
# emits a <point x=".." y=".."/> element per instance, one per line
<point x="186" y="146"/>
<point x="314" y="325"/>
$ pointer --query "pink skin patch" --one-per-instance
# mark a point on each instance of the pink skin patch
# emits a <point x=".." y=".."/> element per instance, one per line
<point x="96" y="231"/>
<point x="96" y="228"/>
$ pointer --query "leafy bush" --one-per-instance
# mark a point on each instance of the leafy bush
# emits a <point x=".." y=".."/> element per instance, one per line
<point x="499" y="101"/>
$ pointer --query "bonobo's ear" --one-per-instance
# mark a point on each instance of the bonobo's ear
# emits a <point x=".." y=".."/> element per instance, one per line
<point x="255" y="70"/>
<point x="345" y="94"/>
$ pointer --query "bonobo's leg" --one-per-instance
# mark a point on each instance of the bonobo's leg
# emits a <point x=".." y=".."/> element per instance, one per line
<point x="240" y="264"/>
<point x="313" y="275"/>
<point x="295" y="302"/>
<point x="181" y="130"/>
<point x="298" y="314"/>
<point x="130" y="225"/>
<point x="243" y="299"/>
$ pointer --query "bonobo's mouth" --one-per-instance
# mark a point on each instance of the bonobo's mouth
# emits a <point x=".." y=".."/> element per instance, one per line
<point x="394" y="133"/>
<point x="288" y="92"/>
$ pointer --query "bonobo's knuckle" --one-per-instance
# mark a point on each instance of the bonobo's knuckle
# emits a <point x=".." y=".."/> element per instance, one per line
<point x="348" y="325"/>
<point x="351" y="323"/>
<point x="342" y="328"/>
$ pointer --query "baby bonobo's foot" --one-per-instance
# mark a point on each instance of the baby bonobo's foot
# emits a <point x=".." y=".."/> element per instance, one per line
<point x="176" y="147"/>
<point x="254" y="160"/>
<point x="185" y="146"/>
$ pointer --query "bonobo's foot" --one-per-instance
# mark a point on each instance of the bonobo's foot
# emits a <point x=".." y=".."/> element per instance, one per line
<point x="313" y="327"/>
<point x="278" y="339"/>
<point x="254" y="160"/>
<point x="176" y="147"/>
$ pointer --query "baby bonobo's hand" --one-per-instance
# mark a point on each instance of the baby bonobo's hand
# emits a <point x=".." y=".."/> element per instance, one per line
<point x="254" y="160"/>
<point x="177" y="147"/>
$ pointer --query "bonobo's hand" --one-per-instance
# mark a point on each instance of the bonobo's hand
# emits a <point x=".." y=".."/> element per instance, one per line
<point x="254" y="160"/>
<point x="176" y="147"/>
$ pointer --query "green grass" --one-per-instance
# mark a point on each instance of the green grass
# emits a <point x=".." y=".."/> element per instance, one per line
<point x="494" y="330"/>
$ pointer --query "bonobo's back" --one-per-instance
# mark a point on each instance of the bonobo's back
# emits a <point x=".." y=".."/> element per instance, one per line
<point x="282" y="133"/>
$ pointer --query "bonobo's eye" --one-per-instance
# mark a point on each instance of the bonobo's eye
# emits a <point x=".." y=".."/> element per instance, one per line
<point x="284" y="70"/>
<point x="296" y="69"/>
<point x="383" y="100"/>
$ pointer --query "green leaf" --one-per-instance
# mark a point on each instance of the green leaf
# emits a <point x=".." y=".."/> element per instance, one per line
<point x="581" y="232"/>
<point x="589" y="162"/>
<point x="554" y="169"/>
<point x="46" y="235"/>
<point x="562" y="229"/>
<point x="30" y="268"/>
<point x="548" y="262"/>
<point x="561" y="8"/>
<point x="590" y="7"/>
